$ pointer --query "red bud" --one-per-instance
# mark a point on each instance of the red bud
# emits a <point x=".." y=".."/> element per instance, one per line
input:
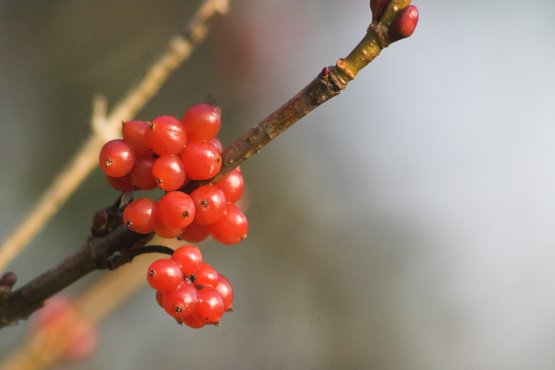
<point x="404" y="24"/>
<point x="378" y="7"/>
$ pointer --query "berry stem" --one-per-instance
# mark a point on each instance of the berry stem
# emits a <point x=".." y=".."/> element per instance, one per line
<point x="150" y="249"/>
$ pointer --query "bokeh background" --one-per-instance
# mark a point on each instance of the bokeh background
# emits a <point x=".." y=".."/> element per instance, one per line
<point x="406" y="224"/>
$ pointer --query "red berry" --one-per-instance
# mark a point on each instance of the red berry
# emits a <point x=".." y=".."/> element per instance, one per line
<point x="202" y="121"/>
<point x="120" y="183"/>
<point x="217" y="143"/>
<point x="116" y="158"/>
<point x="210" y="308"/>
<point x="404" y="23"/>
<point x="201" y="160"/>
<point x="206" y="276"/>
<point x="176" y="210"/>
<point x="192" y="321"/>
<point x="226" y="291"/>
<point x="134" y="134"/>
<point x="167" y="232"/>
<point x="182" y="301"/>
<point x="141" y="174"/>
<point x="378" y="7"/>
<point x="232" y="185"/>
<point x="141" y="216"/>
<point x="189" y="258"/>
<point x="169" y="172"/>
<point x="232" y="228"/>
<point x="166" y="135"/>
<point x="164" y="275"/>
<point x="210" y="204"/>
<point x="194" y="233"/>
<point x="159" y="298"/>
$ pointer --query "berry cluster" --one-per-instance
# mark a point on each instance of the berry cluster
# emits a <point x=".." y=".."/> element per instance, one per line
<point x="167" y="153"/>
<point x="190" y="290"/>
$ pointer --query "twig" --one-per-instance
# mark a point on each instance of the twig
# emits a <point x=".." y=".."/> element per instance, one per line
<point x="106" y="128"/>
<point x="329" y="83"/>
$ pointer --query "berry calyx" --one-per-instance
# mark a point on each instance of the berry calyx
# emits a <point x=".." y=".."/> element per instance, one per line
<point x="116" y="158"/>
<point x="202" y="121"/>
<point x="404" y="23"/>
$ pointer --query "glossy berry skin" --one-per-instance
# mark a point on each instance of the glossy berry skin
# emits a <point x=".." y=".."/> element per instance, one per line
<point x="167" y="232"/>
<point x="181" y="302"/>
<point x="166" y="135"/>
<point x="176" y="210"/>
<point x="206" y="276"/>
<point x="193" y="322"/>
<point x="123" y="184"/>
<point x="141" y="174"/>
<point x="116" y="158"/>
<point x="159" y="298"/>
<point x="164" y="275"/>
<point x="202" y="160"/>
<point x="134" y="135"/>
<point x="378" y="8"/>
<point x="210" y="307"/>
<point x="217" y="144"/>
<point x="232" y="228"/>
<point x="169" y="172"/>
<point x="210" y="204"/>
<point x="189" y="258"/>
<point x="226" y="292"/>
<point x="194" y="233"/>
<point x="404" y="23"/>
<point x="202" y="122"/>
<point x="141" y="215"/>
<point x="232" y="184"/>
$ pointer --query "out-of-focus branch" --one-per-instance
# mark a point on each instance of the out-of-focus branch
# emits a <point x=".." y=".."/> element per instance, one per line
<point x="106" y="127"/>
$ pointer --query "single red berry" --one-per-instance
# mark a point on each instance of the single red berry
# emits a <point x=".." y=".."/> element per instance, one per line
<point x="167" y="232"/>
<point x="192" y="321"/>
<point x="164" y="275"/>
<point x="182" y="301"/>
<point x="378" y="7"/>
<point x="141" y="174"/>
<point x="202" y="121"/>
<point x="134" y="134"/>
<point x="232" y="184"/>
<point x="404" y="23"/>
<point x="176" y="210"/>
<point x="210" y="308"/>
<point x="226" y="291"/>
<point x="206" y="276"/>
<point x="123" y="183"/>
<point x="189" y="258"/>
<point x="217" y="143"/>
<point x="141" y="215"/>
<point x="194" y="233"/>
<point x="159" y="298"/>
<point x="232" y="228"/>
<point x="166" y="135"/>
<point x="116" y="158"/>
<point x="201" y="160"/>
<point x="169" y="172"/>
<point x="210" y="204"/>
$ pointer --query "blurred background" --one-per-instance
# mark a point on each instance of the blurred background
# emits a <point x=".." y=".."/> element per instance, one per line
<point x="406" y="224"/>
